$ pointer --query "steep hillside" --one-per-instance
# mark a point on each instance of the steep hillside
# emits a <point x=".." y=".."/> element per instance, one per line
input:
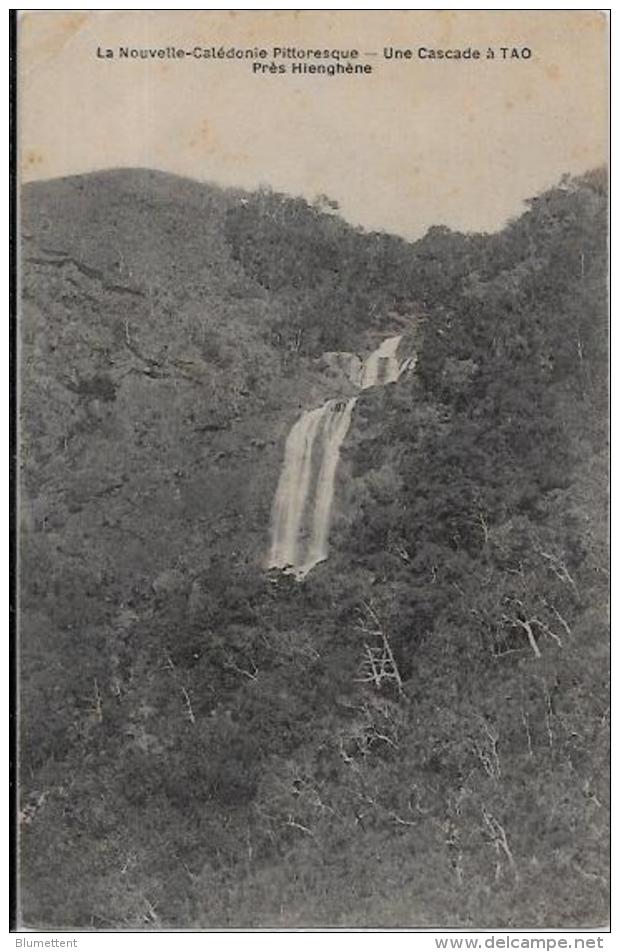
<point x="208" y="743"/>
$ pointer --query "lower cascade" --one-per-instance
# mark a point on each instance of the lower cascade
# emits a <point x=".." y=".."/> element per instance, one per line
<point x="301" y="514"/>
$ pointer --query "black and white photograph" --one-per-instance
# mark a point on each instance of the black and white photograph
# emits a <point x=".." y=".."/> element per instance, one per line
<point x="312" y="413"/>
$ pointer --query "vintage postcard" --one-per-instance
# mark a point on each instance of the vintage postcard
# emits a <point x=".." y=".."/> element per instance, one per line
<point x="312" y="443"/>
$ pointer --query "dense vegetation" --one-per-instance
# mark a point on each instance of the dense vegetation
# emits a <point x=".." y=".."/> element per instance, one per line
<point x="417" y="733"/>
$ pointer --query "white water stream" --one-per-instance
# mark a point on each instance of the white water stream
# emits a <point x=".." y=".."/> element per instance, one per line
<point x="302" y="507"/>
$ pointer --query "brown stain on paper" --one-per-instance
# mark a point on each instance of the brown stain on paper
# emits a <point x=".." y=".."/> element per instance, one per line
<point x="32" y="159"/>
<point x="203" y="138"/>
<point x="50" y="42"/>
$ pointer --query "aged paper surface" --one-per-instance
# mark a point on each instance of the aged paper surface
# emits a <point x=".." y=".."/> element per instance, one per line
<point x="427" y="131"/>
<point x="313" y="334"/>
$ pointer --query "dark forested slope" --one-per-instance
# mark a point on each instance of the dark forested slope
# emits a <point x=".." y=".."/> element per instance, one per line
<point x="205" y="743"/>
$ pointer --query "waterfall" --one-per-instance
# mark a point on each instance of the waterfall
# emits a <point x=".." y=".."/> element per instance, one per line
<point x="301" y="512"/>
<point x="336" y="427"/>
<point x="292" y="492"/>
<point x="382" y="366"/>
<point x="302" y="507"/>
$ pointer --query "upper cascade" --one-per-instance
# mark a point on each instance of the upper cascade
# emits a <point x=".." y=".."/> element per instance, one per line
<point x="382" y="366"/>
<point x="301" y="513"/>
